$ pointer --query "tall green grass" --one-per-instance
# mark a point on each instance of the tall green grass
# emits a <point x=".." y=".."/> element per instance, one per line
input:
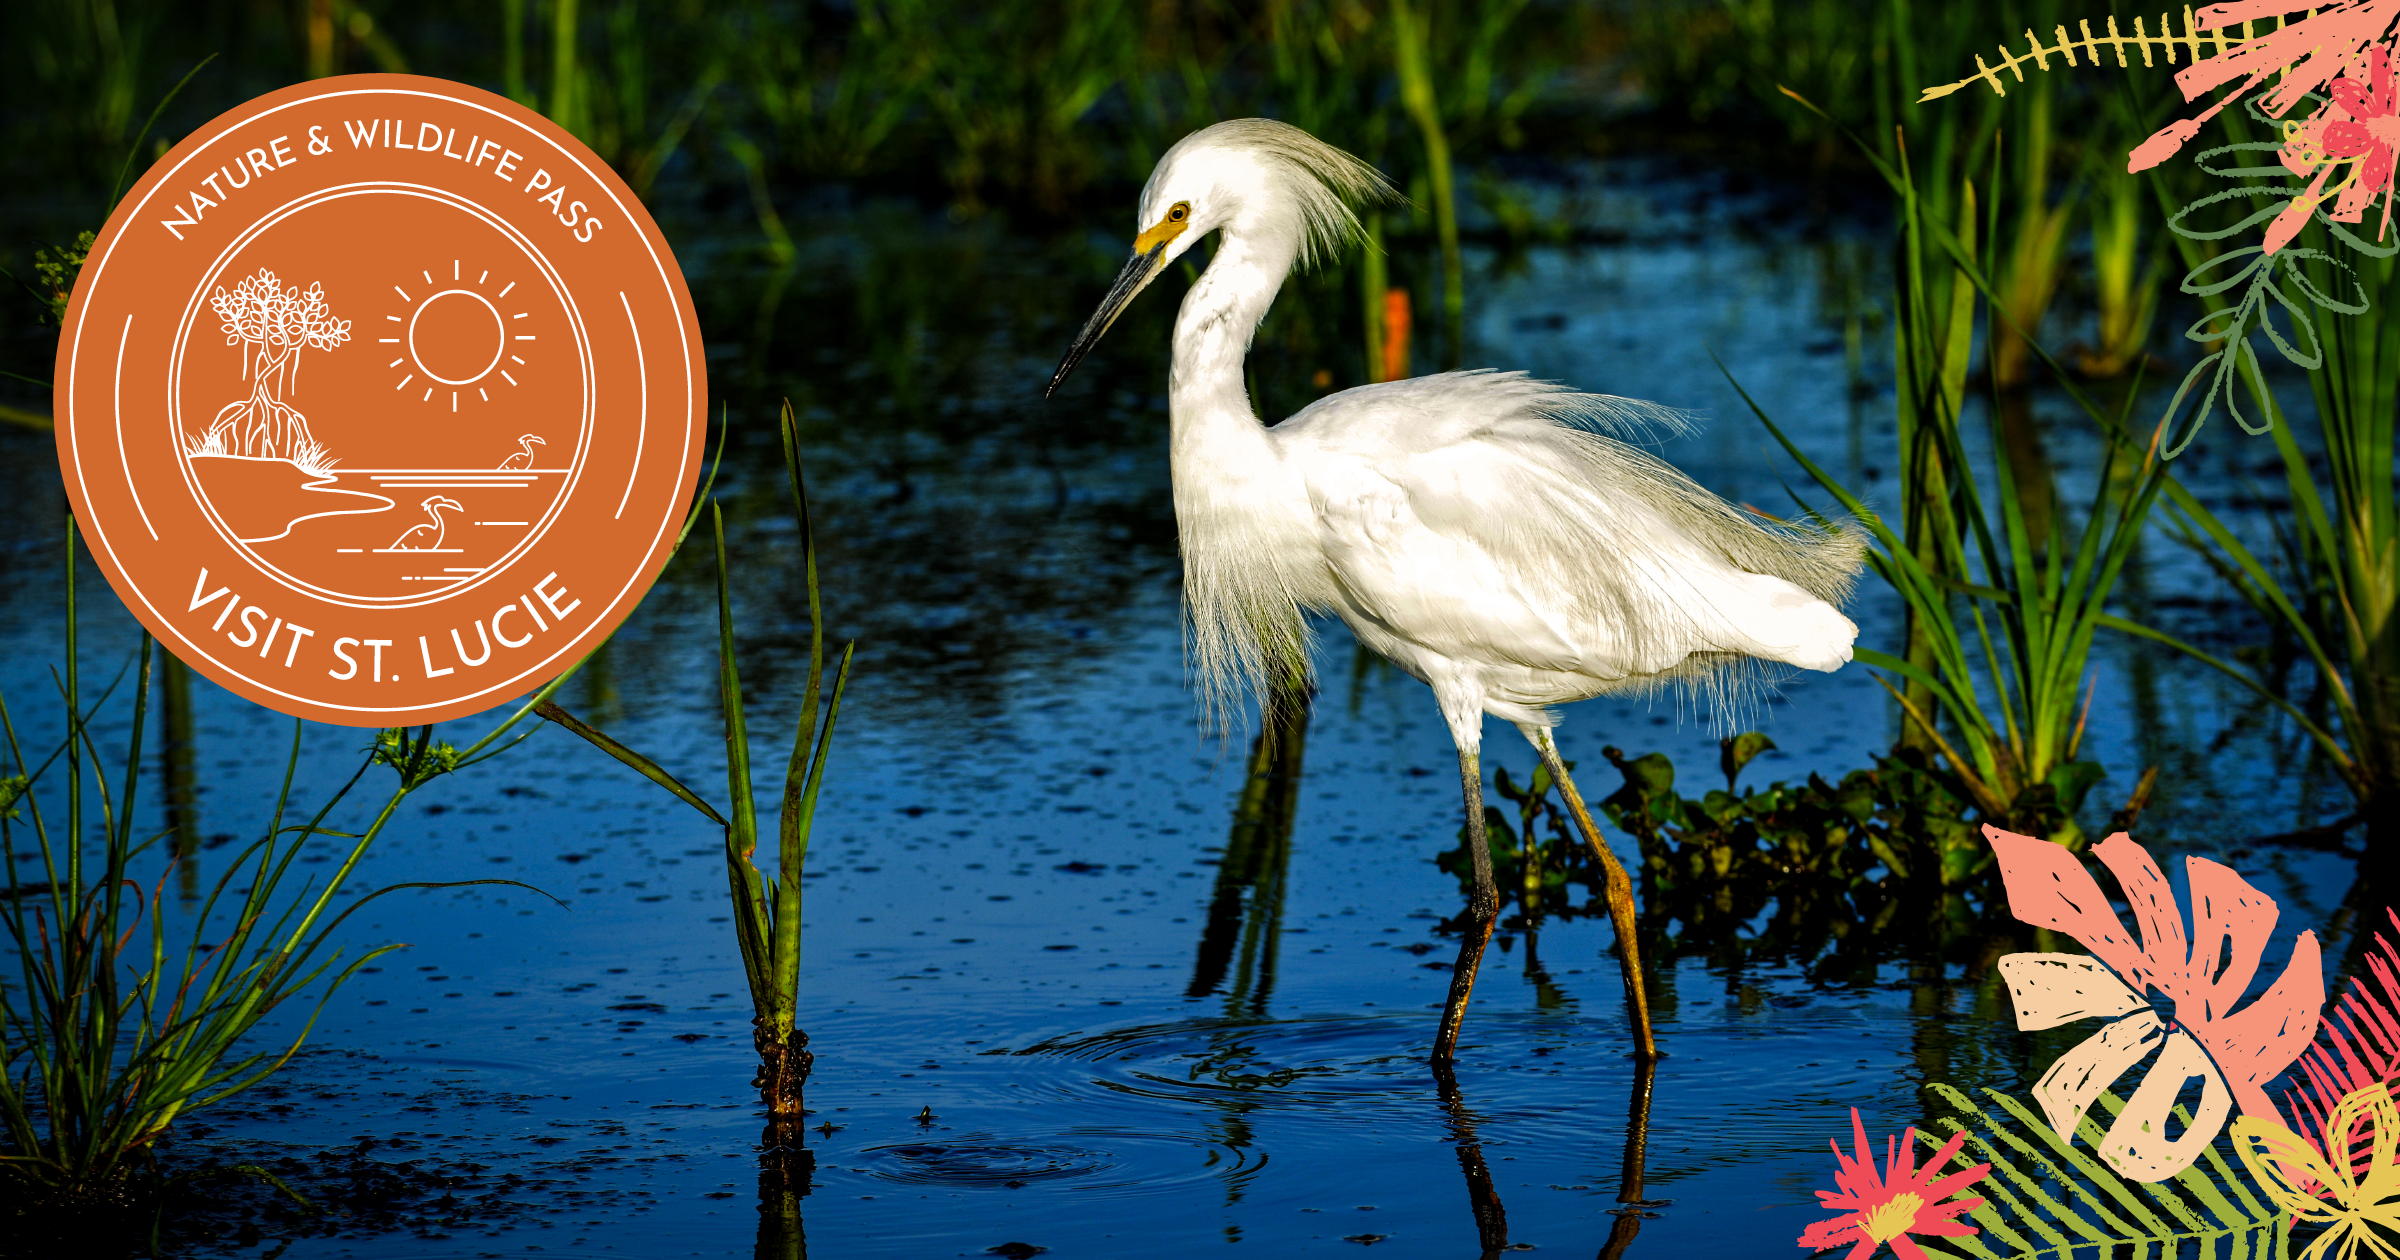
<point x="2002" y="616"/>
<point x="766" y="908"/>
<point x="115" y="1029"/>
<point x="2334" y="589"/>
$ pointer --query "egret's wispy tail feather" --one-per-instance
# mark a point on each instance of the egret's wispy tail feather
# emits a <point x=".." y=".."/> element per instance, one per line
<point x="1823" y="559"/>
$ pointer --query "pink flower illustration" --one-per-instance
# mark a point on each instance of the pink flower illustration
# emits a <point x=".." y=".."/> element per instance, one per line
<point x="2355" y="130"/>
<point x="2368" y="133"/>
<point x="2171" y="994"/>
<point x="1901" y="1200"/>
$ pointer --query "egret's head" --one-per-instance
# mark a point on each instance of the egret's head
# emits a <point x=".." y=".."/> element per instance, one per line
<point x="434" y="503"/>
<point x="1274" y="185"/>
<point x="533" y="438"/>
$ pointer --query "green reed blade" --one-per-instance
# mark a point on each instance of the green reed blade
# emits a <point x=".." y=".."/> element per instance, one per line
<point x="642" y="765"/>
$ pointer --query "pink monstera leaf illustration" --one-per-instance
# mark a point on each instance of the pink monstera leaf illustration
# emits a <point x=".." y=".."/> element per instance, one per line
<point x="2169" y="992"/>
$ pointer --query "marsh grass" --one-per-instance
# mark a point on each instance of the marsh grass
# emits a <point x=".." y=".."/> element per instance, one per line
<point x="766" y="908"/>
<point x="2331" y="585"/>
<point x="112" y="1029"/>
<point x="2002" y="614"/>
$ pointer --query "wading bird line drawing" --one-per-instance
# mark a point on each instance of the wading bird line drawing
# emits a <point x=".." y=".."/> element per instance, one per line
<point x="523" y="458"/>
<point x="428" y="537"/>
<point x="1489" y="534"/>
<point x="273" y="325"/>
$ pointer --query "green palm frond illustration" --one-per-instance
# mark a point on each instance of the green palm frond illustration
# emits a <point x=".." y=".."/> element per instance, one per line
<point x="2193" y="43"/>
<point x="2047" y="1199"/>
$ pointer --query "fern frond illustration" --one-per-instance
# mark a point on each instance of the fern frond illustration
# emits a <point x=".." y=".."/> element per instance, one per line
<point x="2048" y="1199"/>
<point x="2194" y="43"/>
<point x="2358" y="1045"/>
<point x="2261" y="274"/>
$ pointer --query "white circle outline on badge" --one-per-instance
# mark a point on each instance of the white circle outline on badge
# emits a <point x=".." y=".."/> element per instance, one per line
<point x="499" y="343"/>
<point x="669" y="523"/>
<point x="340" y="192"/>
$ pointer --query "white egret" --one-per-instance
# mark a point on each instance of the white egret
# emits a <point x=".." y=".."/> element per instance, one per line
<point x="1487" y="533"/>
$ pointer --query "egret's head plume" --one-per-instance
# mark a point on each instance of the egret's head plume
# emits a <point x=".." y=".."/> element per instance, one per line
<point x="1268" y="179"/>
<point x="1271" y="182"/>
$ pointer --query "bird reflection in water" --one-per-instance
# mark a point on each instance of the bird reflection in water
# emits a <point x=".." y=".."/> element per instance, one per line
<point x="1491" y="1219"/>
<point x="1244" y="932"/>
<point x="1633" y="1208"/>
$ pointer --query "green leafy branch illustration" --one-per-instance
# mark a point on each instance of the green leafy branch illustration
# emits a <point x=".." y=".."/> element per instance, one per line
<point x="2259" y="277"/>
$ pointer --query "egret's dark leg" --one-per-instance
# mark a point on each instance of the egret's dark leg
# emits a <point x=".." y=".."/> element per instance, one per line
<point x="1619" y="891"/>
<point x="1483" y="907"/>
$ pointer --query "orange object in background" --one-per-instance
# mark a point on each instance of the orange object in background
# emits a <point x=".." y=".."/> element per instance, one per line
<point x="1395" y="334"/>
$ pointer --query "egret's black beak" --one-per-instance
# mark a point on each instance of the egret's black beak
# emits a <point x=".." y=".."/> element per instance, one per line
<point x="1139" y="271"/>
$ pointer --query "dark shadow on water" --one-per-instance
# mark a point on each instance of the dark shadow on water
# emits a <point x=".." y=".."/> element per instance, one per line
<point x="786" y="1173"/>
<point x="1244" y="932"/>
<point x="175" y="755"/>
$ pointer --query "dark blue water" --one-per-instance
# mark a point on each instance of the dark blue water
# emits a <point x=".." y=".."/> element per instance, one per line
<point x="1024" y="1032"/>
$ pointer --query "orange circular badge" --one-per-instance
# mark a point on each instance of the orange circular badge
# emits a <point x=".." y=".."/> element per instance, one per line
<point x="380" y="400"/>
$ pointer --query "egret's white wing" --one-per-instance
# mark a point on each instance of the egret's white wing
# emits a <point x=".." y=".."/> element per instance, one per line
<point x="1459" y="511"/>
<point x="1423" y="580"/>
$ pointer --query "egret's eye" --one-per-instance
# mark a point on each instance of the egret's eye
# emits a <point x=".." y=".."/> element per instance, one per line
<point x="1180" y="211"/>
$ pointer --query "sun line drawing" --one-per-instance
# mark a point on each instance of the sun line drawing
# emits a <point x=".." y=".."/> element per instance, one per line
<point x="455" y="337"/>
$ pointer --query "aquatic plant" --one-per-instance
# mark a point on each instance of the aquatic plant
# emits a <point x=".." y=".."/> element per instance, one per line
<point x="2338" y="590"/>
<point x="2011" y="686"/>
<point x="2126" y="277"/>
<point x="112" y="1032"/>
<point x="766" y="908"/>
<point x="2035" y="600"/>
<point x="2027" y="269"/>
<point x="2337" y="60"/>
<point x="2341" y="588"/>
<point x="1410" y="35"/>
<point x="1904" y="815"/>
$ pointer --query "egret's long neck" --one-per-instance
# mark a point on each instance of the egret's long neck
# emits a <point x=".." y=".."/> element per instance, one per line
<point x="1207" y="402"/>
<point x="1241" y="513"/>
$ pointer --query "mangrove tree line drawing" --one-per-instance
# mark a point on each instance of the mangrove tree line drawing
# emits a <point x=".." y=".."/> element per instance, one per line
<point x="272" y="325"/>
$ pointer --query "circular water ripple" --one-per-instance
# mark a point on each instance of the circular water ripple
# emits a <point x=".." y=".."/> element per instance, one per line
<point x="981" y="1163"/>
<point x="1100" y="1160"/>
<point x="1348" y="1068"/>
